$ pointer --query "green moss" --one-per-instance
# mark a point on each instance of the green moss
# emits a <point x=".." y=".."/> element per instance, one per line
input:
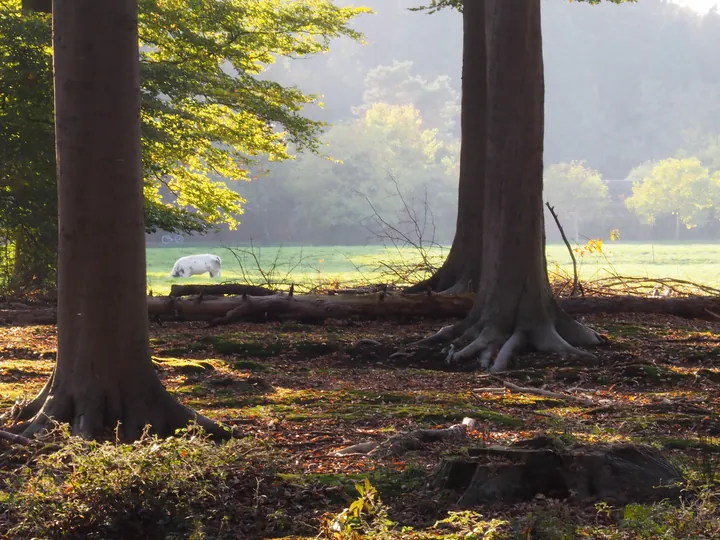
<point x="681" y="444"/>
<point x="185" y="366"/>
<point x="248" y="365"/>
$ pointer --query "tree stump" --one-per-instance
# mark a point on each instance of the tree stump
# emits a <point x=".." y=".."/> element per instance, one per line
<point x="619" y="474"/>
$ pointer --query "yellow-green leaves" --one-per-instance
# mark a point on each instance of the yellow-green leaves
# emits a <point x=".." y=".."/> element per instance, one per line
<point x="680" y="187"/>
<point x="207" y="113"/>
<point x="389" y="142"/>
<point x="577" y="192"/>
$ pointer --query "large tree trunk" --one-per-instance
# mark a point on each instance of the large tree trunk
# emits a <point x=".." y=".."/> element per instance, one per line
<point x="514" y="307"/>
<point x="104" y="378"/>
<point x="461" y="269"/>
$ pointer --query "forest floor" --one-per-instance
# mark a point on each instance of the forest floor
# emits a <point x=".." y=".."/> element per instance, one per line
<point x="300" y="392"/>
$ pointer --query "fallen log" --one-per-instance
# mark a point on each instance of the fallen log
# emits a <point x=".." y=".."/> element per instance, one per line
<point x="693" y="307"/>
<point x="366" y="306"/>
<point x="219" y="290"/>
<point x="228" y="309"/>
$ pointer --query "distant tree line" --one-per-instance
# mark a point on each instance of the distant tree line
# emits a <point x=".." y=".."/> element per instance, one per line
<point x="626" y="86"/>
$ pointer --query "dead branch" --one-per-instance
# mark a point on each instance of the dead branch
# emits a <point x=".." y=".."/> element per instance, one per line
<point x="547" y="393"/>
<point x="401" y="270"/>
<point x="403" y="442"/>
<point x="14" y="439"/>
<point x="576" y="284"/>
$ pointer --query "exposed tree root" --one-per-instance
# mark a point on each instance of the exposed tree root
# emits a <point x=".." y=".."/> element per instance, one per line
<point x="484" y="342"/>
<point x="98" y="413"/>
<point x="445" y="281"/>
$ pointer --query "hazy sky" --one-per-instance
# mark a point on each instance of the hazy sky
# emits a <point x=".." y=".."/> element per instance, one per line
<point x="698" y="5"/>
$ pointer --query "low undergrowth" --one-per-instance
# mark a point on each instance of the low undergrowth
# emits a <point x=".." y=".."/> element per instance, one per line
<point x="181" y="485"/>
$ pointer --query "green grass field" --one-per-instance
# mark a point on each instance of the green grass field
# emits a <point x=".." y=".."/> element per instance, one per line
<point x="352" y="265"/>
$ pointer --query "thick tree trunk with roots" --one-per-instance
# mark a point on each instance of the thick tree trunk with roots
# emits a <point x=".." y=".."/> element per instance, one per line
<point x="461" y="269"/>
<point x="514" y="307"/>
<point x="104" y="375"/>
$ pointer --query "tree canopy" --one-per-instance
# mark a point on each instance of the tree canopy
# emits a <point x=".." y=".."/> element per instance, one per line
<point x="577" y="192"/>
<point x="207" y="112"/>
<point x="683" y="188"/>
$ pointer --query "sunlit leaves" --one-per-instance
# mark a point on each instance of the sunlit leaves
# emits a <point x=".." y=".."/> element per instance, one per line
<point x="206" y="112"/>
<point x="680" y="187"/>
<point x="389" y="142"/>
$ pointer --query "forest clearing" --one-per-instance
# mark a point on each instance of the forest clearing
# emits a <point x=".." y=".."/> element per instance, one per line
<point x="462" y="380"/>
<point x="349" y="266"/>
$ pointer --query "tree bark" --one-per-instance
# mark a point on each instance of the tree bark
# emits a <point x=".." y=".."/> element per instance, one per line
<point x="460" y="270"/>
<point x="104" y="378"/>
<point x="514" y="308"/>
<point x="227" y="288"/>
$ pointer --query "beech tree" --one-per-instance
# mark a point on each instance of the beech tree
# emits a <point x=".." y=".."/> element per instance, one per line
<point x="209" y="113"/>
<point x="461" y="270"/>
<point x="104" y="378"/>
<point x="514" y="308"/>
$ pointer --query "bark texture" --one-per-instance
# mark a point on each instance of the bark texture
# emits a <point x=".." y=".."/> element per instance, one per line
<point x="104" y="375"/>
<point x="460" y="271"/>
<point x="514" y="307"/>
<point x="227" y="288"/>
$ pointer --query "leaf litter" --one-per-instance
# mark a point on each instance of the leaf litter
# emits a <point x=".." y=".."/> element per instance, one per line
<point x="302" y="392"/>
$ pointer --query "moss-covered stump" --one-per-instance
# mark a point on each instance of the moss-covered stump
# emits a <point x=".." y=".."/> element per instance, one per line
<point x="619" y="474"/>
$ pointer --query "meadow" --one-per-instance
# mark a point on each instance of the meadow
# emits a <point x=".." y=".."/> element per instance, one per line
<point x="353" y="265"/>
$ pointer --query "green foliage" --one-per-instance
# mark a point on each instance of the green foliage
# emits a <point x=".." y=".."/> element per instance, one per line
<point x="379" y="159"/>
<point x="366" y="515"/>
<point x="683" y="188"/>
<point x="470" y="525"/>
<point x="577" y="192"/>
<point x="397" y="84"/>
<point x="207" y="114"/>
<point x="705" y="146"/>
<point x="27" y="145"/>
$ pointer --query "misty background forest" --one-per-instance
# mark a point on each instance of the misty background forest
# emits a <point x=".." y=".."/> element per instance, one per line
<point x="629" y="89"/>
